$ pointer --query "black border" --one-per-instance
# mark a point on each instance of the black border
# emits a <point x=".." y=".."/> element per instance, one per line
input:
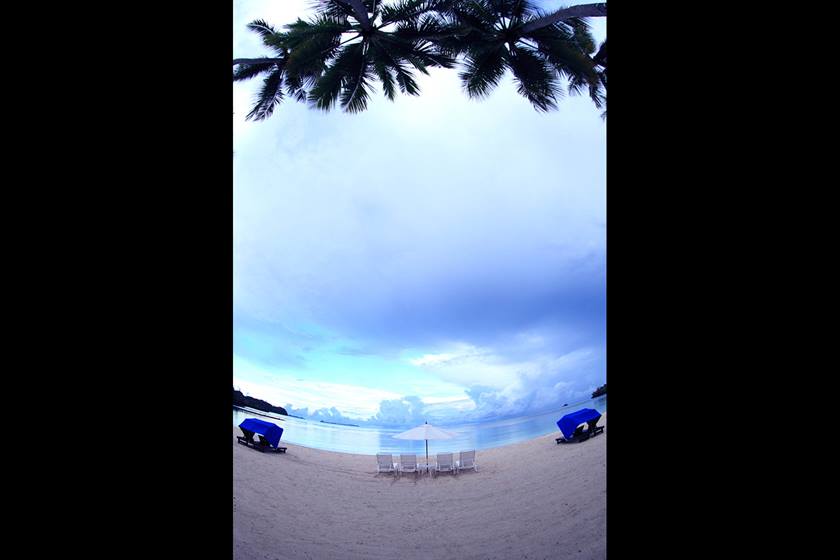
<point x="152" y="230"/>
<point x="152" y="220"/>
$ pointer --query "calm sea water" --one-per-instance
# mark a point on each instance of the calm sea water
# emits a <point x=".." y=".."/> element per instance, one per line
<point x="372" y="440"/>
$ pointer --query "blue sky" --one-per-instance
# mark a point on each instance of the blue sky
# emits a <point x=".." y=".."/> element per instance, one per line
<point x="430" y="258"/>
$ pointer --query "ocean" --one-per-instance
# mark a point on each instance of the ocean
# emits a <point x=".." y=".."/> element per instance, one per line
<point x="370" y="440"/>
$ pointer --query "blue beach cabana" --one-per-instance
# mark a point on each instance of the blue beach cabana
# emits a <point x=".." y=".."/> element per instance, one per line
<point x="569" y="423"/>
<point x="269" y="435"/>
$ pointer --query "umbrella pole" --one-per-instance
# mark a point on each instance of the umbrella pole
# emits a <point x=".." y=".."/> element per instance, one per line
<point x="427" y="458"/>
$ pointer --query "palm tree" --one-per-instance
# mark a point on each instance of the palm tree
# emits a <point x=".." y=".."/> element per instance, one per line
<point x="601" y="60"/>
<point x="541" y="50"/>
<point x="337" y="55"/>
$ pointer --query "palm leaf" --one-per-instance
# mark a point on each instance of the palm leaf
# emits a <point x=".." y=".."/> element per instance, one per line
<point x="295" y="87"/>
<point x="535" y="78"/>
<point x="248" y="71"/>
<point x="482" y="71"/>
<point x="333" y="8"/>
<point x="262" y="28"/>
<point x="582" y="35"/>
<point x="561" y="50"/>
<point x="355" y="91"/>
<point x="410" y="10"/>
<point x="270" y="95"/>
<point x="327" y="88"/>
<point x="405" y="80"/>
<point x="601" y="57"/>
<point x="312" y="44"/>
<point x="386" y="77"/>
<point x="354" y="98"/>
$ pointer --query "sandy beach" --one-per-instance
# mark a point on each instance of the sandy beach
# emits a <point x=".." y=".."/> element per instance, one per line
<point x="534" y="499"/>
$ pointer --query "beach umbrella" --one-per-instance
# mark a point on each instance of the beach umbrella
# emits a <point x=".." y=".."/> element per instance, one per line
<point x="425" y="431"/>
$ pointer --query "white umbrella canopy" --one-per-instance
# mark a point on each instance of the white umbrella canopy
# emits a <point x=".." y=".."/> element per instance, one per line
<point x="425" y="431"/>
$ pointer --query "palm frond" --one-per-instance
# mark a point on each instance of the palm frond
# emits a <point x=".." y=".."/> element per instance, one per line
<point x="295" y="87"/>
<point x="419" y="53"/>
<point x="405" y="81"/>
<point x="394" y="54"/>
<point x="312" y="44"/>
<point x="262" y="28"/>
<point x="562" y="51"/>
<point x="270" y="95"/>
<point x="347" y="71"/>
<point x="476" y="13"/>
<point x="302" y="31"/>
<point x="327" y="88"/>
<point x="582" y="35"/>
<point x="535" y="78"/>
<point x="386" y="77"/>
<point x="411" y="10"/>
<point x="455" y="40"/>
<point x="333" y="8"/>
<point x="356" y="90"/>
<point x="482" y="71"/>
<point x="521" y="9"/>
<point x="426" y="28"/>
<point x="248" y="71"/>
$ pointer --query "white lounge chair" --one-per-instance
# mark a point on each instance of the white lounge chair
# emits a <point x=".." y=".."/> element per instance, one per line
<point x="408" y="463"/>
<point x="444" y="463"/>
<point x="467" y="461"/>
<point x="385" y="463"/>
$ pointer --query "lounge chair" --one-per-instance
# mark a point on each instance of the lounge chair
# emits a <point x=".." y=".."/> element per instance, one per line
<point x="445" y="464"/>
<point x="593" y="429"/>
<point x="579" y="435"/>
<point x="408" y="463"/>
<point x="248" y="438"/>
<point x="385" y="463"/>
<point x="466" y="461"/>
<point x="263" y="445"/>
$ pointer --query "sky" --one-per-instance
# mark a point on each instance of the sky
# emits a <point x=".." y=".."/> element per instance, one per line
<point x="433" y="258"/>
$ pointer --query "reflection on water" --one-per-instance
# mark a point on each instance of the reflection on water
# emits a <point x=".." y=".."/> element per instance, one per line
<point x="372" y="440"/>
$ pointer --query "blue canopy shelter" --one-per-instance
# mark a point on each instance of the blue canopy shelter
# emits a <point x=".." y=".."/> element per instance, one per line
<point x="271" y="432"/>
<point x="569" y="422"/>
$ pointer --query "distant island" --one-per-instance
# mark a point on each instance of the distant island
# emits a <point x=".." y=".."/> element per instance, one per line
<point x="340" y="424"/>
<point x="602" y="390"/>
<point x="241" y="400"/>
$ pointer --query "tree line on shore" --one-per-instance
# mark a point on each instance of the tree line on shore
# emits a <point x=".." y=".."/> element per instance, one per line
<point x="242" y="400"/>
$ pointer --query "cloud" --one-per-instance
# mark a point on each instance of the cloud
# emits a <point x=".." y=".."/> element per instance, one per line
<point x="523" y="378"/>
<point x="467" y="235"/>
<point x="355" y="401"/>
<point x="407" y="411"/>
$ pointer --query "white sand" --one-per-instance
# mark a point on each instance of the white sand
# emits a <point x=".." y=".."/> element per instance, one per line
<point x="533" y="500"/>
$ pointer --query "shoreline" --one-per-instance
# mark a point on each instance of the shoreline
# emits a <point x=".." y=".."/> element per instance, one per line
<point x="286" y="443"/>
<point x="532" y="498"/>
<point x="555" y="430"/>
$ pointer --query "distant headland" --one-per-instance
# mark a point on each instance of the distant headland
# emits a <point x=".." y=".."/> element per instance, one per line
<point x="340" y="424"/>
<point x="241" y="400"/>
<point x="602" y="390"/>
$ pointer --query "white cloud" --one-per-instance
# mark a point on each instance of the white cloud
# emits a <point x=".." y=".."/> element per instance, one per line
<point x="281" y="389"/>
<point x="467" y="365"/>
<point x="498" y="384"/>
